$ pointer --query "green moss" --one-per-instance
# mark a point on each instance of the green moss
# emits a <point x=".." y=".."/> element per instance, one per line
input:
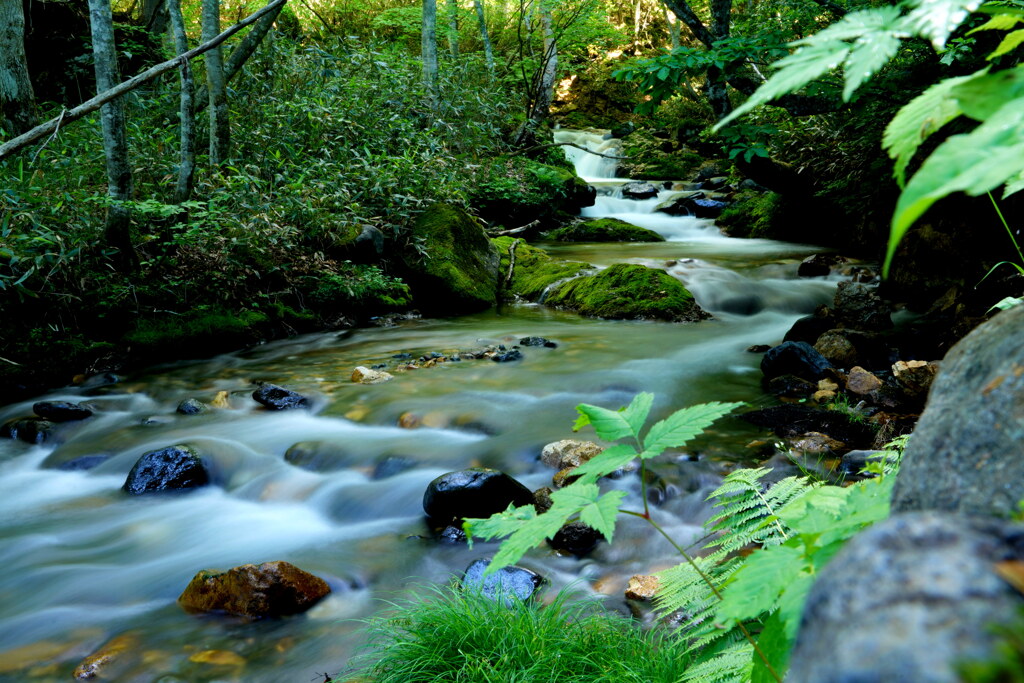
<point x="514" y="191"/>
<point x="605" y="230"/>
<point x="534" y="271"/>
<point x="651" y="158"/>
<point x="222" y="327"/>
<point x="753" y="214"/>
<point x="628" y="291"/>
<point x="454" y="267"/>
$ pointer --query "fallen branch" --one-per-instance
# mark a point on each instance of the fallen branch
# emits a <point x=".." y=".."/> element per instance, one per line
<point x="515" y="231"/>
<point x="567" y="144"/>
<point x="51" y="126"/>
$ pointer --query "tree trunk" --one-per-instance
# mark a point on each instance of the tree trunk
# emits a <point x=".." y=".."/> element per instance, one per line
<point x="716" y="88"/>
<point x="453" y="28"/>
<point x="187" y="166"/>
<point x="17" y="101"/>
<point x="115" y="139"/>
<point x="155" y="18"/>
<point x="488" y="51"/>
<point x="549" y="72"/>
<point x="216" y="85"/>
<point x="673" y="27"/>
<point x="429" y="52"/>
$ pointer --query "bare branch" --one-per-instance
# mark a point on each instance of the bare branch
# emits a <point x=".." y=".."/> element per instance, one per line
<point x="567" y="144"/>
<point x="41" y="131"/>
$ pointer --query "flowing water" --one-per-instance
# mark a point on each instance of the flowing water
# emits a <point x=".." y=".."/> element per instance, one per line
<point x="84" y="563"/>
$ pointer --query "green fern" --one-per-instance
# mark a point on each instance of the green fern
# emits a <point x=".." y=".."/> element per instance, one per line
<point x="729" y="664"/>
<point x="748" y="509"/>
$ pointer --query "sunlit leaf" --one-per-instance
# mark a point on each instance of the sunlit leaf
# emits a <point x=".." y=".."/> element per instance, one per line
<point x="937" y="19"/>
<point x="982" y="96"/>
<point x="682" y="425"/>
<point x="756" y="586"/>
<point x="1000" y="22"/>
<point x="610" y="425"/>
<point x="1011" y="41"/>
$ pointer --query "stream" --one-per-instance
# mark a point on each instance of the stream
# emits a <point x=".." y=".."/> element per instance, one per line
<point x="85" y="563"/>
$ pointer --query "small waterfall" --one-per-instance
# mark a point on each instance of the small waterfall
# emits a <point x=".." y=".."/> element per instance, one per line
<point x="591" y="167"/>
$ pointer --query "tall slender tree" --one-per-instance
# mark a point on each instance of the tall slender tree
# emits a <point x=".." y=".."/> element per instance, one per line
<point x="115" y="138"/>
<point x="673" y="27"/>
<point x="216" y="85"/>
<point x="549" y="71"/>
<point x="488" y="50"/>
<point x="187" y="164"/>
<point x="17" y="100"/>
<point x="453" y="28"/>
<point x="428" y="47"/>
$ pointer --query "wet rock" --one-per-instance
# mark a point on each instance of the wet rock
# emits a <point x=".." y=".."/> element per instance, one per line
<point x="507" y="356"/>
<point x="915" y="376"/>
<point x="391" y="465"/>
<point x="859" y="306"/>
<point x="476" y="492"/>
<point x="862" y="382"/>
<point x="679" y="204"/>
<point x="452" y="535"/>
<point x="854" y="462"/>
<point x="627" y="291"/>
<point x="791" y="386"/>
<point x="192" y="406"/>
<point x="274" y="397"/>
<point x="542" y="500"/>
<point x="564" y="477"/>
<point x="908" y="600"/>
<point x="364" y="375"/>
<point x="167" y="469"/>
<point x="109" y="660"/>
<point x="707" y="208"/>
<point x="845" y="348"/>
<point x="568" y="453"/>
<point x="966" y="451"/>
<point x="639" y="190"/>
<point x="816" y="443"/>
<point x="622" y="130"/>
<point x="793" y="420"/>
<point x="271" y="589"/>
<point x="320" y="456"/>
<point x="508" y="583"/>
<point x="61" y="411"/>
<point x="837" y="349"/>
<point x="538" y="341"/>
<point x="819" y="265"/>
<point x="604" y="230"/>
<point x="794" y="358"/>
<point x="83" y="463"/>
<point x="28" y="429"/>
<point x="642" y="587"/>
<point x="576" y="538"/>
<point x="808" y="329"/>
<point x="758" y="348"/>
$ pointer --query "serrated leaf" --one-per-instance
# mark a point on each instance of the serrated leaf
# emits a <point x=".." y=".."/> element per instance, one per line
<point x="919" y="118"/>
<point x="1000" y="22"/>
<point x="775" y="644"/>
<point x="866" y="58"/>
<point x="975" y="163"/>
<point x="1010" y="42"/>
<point x="756" y="586"/>
<point x="530" y="530"/>
<point x="816" y="511"/>
<point x="637" y="411"/>
<point x="983" y="96"/>
<point x="610" y="425"/>
<point x="607" y="461"/>
<point x="936" y="19"/>
<point x="682" y="425"/>
<point x="791" y="603"/>
<point x="602" y="512"/>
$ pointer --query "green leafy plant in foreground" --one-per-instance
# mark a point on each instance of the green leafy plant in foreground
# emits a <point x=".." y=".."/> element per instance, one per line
<point x="739" y="612"/>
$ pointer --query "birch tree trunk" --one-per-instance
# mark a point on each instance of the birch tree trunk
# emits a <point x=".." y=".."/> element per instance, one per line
<point x="488" y="50"/>
<point x="453" y="28"/>
<point x="216" y="85"/>
<point x="17" y="101"/>
<point x="429" y="52"/>
<point x="115" y="140"/>
<point x="673" y="27"/>
<point x="546" y="87"/>
<point x="187" y="165"/>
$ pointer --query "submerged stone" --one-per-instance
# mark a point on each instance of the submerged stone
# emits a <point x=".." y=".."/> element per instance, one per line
<point x="61" y="411"/>
<point x="604" y="230"/>
<point x="508" y="584"/>
<point x="274" y="397"/>
<point x="794" y="358"/>
<point x="192" y="406"/>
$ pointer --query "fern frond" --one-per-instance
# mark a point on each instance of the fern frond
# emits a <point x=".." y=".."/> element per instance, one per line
<point x="748" y="509"/>
<point x="732" y="664"/>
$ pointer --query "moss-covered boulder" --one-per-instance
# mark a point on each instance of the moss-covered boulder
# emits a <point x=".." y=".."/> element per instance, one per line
<point x="533" y="271"/>
<point x="628" y="291"/>
<point x="604" y="230"/>
<point x="514" y="191"/>
<point x="454" y="268"/>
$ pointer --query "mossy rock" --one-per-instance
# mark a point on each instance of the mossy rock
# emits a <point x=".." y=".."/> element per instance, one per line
<point x="604" y="230"/>
<point x="514" y="191"/>
<point x="754" y="214"/>
<point x="651" y="158"/>
<point x="457" y="269"/>
<point x="534" y="270"/>
<point x="628" y="291"/>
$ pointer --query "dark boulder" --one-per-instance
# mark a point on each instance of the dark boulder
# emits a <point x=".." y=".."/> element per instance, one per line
<point x="28" y="429"/>
<point x="576" y="538"/>
<point x="791" y="386"/>
<point x="859" y="306"/>
<point x="274" y="397"/>
<point x="452" y="535"/>
<point x="476" y="492"/>
<point x="795" y="358"/>
<point x="508" y="583"/>
<point x="708" y="208"/>
<point x="391" y="465"/>
<point x="965" y="455"/>
<point x="61" y="411"/>
<point x="819" y="265"/>
<point x="538" y="341"/>
<point x="507" y="356"/>
<point x="809" y="328"/>
<point x="639" y="190"/>
<point x="679" y="203"/>
<point x="192" y="406"/>
<point x="168" y="469"/>
<point x="794" y="420"/>
<point x="272" y="589"/>
<point x="909" y="599"/>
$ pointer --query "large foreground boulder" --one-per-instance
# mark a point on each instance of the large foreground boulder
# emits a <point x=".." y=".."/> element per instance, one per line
<point x="628" y="291"/>
<point x="965" y="454"/>
<point x="272" y="589"/>
<point x="508" y="583"/>
<point x="908" y="600"/>
<point x="457" y="269"/>
<point x="475" y="492"/>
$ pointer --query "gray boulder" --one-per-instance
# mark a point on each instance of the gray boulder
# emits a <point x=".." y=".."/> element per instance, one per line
<point x="965" y="454"/>
<point x="908" y="600"/>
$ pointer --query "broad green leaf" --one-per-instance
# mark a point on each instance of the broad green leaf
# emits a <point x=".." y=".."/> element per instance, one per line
<point x="919" y="118"/>
<point x="637" y="411"/>
<point x="1011" y="41"/>
<point x="594" y="509"/>
<point x="775" y="644"/>
<point x="606" y="462"/>
<point x="1006" y="302"/>
<point x="816" y="510"/>
<point x="983" y="96"/>
<point x="936" y="19"/>
<point x="1014" y="185"/>
<point x="791" y="603"/>
<point x="757" y="584"/>
<point x="610" y="425"/>
<point x="1000" y="22"/>
<point x="683" y="425"/>
<point x="582" y="421"/>
<point x="868" y="55"/>
<point x="977" y="162"/>
<point x="530" y="530"/>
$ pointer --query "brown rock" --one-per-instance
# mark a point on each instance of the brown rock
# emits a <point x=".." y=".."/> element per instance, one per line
<point x="218" y="658"/>
<point x="100" y="664"/>
<point x="409" y="420"/>
<point x="568" y="453"/>
<point x="827" y="385"/>
<point x="862" y="382"/>
<point x="915" y="376"/>
<point x="642" y="587"/>
<point x="542" y="500"/>
<point x="837" y="348"/>
<point x="564" y="477"/>
<point x="823" y="396"/>
<point x="364" y="375"/>
<point x="272" y="589"/>
<point x="816" y="442"/>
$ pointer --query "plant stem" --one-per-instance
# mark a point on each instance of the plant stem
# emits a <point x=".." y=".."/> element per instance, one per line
<point x="1006" y="225"/>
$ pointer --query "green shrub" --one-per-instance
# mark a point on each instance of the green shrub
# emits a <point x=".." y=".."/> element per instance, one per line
<point x="361" y="286"/>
